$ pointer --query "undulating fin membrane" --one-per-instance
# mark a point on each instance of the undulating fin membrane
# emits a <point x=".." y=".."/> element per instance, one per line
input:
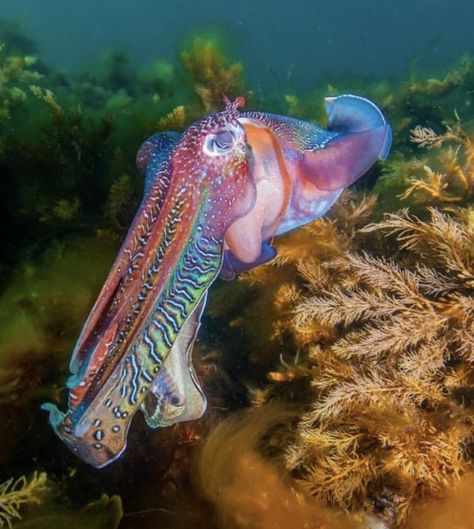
<point x="363" y="136"/>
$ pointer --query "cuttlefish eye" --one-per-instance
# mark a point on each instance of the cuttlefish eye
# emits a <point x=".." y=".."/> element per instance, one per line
<point x="220" y="142"/>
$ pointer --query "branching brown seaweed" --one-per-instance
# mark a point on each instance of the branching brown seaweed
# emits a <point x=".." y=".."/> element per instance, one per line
<point x="453" y="178"/>
<point x="389" y="351"/>
<point x="247" y="490"/>
<point x="210" y="73"/>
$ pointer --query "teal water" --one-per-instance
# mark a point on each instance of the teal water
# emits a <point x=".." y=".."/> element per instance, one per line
<point x="309" y="40"/>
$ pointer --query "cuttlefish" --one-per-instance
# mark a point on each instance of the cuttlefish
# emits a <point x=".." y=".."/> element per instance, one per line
<point x="214" y="198"/>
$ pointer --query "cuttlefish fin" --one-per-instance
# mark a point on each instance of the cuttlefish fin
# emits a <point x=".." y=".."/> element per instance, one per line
<point x="176" y="394"/>
<point x="151" y="161"/>
<point x="231" y="266"/>
<point x="362" y="136"/>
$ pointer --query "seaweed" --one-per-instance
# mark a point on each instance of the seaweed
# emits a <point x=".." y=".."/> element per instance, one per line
<point x="389" y="352"/>
<point x="247" y="489"/>
<point x="455" y="181"/>
<point x="457" y="77"/>
<point x="15" y="72"/>
<point x="210" y="73"/>
<point x="375" y="349"/>
<point x="41" y="310"/>
<point x="104" y="513"/>
<point x="14" y="493"/>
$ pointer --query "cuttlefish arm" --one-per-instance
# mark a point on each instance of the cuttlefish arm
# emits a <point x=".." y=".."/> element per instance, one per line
<point x="147" y="314"/>
<point x="300" y="171"/>
<point x="176" y="394"/>
<point x="152" y="161"/>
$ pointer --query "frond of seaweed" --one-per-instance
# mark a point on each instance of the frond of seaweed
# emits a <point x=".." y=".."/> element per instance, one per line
<point x="211" y="73"/>
<point x="446" y="241"/>
<point x="15" y="72"/>
<point x="452" y="178"/>
<point x="14" y="493"/>
<point x="174" y="120"/>
<point x="436" y="87"/>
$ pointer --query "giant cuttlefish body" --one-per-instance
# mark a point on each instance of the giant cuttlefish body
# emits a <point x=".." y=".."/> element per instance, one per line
<point x="214" y="196"/>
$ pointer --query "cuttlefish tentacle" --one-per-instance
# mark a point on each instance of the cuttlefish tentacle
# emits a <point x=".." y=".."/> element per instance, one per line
<point x="201" y="187"/>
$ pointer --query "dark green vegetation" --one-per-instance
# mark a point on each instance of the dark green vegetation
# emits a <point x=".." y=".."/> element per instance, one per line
<point x="68" y="191"/>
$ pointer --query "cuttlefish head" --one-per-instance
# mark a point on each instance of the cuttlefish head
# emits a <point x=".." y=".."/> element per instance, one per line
<point x="212" y="165"/>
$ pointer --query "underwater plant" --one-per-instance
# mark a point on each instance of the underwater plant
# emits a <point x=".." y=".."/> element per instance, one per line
<point x="454" y="180"/>
<point x="104" y="513"/>
<point x="174" y="120"/>
<point x="14" y="493"/>
<point x="458" y="76"/>
<point x="15" y="72"/>
<point x="247" y="489"/>
<point x="211" y="74"/>
<point x="388" y="350"/>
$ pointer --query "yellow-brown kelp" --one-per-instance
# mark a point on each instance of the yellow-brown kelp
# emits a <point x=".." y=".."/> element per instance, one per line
<point x="15" y="493"/>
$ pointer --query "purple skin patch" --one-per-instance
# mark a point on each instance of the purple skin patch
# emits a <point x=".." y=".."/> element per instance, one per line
<point x="231" y="266"/>
<point x="300" y="170"/>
